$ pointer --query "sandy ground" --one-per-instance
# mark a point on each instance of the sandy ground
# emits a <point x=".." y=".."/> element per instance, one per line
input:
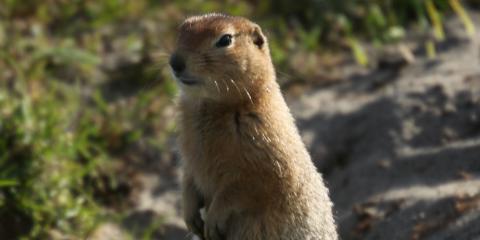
<point x="399" y="147"/>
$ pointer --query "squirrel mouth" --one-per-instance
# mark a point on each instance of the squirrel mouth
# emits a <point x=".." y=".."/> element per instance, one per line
<point x="187" y="79"/>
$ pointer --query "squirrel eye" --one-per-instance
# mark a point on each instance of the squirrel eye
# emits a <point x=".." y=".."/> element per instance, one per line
<point x="224" y="41"/>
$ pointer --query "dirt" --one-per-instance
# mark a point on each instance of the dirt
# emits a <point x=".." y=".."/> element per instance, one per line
<point x="398" y="145"/>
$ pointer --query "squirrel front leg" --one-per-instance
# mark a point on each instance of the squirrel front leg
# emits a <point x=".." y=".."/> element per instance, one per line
<point x="193" y="201"/>
<point x="220" y="215"/>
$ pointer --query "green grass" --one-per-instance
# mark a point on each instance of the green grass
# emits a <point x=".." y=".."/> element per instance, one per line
<point x="47" y="163"/>
<point x="82" y="82"/>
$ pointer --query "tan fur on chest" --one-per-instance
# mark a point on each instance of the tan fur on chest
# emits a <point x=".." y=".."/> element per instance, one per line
<point x="228" y="145"/>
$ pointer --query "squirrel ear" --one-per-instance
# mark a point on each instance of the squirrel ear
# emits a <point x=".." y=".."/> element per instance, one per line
<point x="258" y="37"/>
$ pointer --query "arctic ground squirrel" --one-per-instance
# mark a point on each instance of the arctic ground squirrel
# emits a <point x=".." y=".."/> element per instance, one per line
<point x="244" y="160"/>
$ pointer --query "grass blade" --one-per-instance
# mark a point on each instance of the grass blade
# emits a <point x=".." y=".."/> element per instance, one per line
<point x="436" y="20"/>
<point x="358" y="51"/>
<point x="464" y="17"/>
<point x="430" y="48"/>
<point x="8" y="183"/>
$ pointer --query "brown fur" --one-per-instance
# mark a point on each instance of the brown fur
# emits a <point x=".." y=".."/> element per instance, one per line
<point x="244" y="159"/>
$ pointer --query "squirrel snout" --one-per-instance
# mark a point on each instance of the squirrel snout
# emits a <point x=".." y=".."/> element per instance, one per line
<point x="177" y="63"/>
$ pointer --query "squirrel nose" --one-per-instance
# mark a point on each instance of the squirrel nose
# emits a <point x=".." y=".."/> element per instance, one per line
<point x="177" y="63"/>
